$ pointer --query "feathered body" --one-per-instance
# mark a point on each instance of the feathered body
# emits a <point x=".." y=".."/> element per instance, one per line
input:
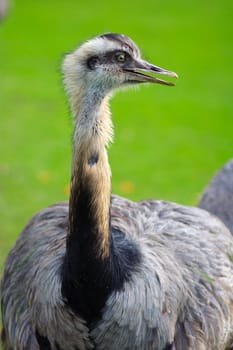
<point x="180" y="293"/>
<point x="32" y="303"/>
<point x="106" y="273"/>
<point x="218" y="195"/>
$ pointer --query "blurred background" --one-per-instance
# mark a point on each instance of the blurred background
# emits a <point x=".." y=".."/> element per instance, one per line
<point x="168" y="141"/>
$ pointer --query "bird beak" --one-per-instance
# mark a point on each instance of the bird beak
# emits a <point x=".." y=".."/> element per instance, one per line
<point x="139" y="70"/>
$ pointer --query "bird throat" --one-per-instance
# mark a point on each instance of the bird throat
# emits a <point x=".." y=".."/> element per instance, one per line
<point x="96" y="262"/>
<point x="88" y="245"/>
<point x="89" y="204"/>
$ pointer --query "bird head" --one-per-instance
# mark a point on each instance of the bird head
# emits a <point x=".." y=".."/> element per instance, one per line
<point x="108" y="62"/>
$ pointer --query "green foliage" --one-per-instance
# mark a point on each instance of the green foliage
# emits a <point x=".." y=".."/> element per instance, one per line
<point x="169" y="141"/>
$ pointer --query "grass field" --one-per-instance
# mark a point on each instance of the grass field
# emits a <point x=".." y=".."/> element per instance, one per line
<point x="169" y="141"/>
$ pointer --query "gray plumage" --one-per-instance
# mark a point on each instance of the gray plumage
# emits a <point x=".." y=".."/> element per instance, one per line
<point x="218" y="195"/>
<point x="169" y="266"/>
<point x="182" y="292"/>
<point x="31" y="287"/>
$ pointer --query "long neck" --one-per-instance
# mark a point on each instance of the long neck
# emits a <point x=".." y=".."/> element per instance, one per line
<point x="89" y="203"/>
<point x="96" y="261"/>
<point x="87" y="264"/>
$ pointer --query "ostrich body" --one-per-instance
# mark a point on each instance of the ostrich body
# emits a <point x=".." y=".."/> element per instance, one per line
<point x="218" y="195"/>
<point x="105" y="272"/>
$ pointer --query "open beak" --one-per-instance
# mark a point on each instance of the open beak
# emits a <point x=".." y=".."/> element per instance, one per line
<point x="138" y="73"/>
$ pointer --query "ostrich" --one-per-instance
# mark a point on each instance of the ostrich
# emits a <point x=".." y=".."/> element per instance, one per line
<point x="104" y="272"/>
<point x="218" y="195"/>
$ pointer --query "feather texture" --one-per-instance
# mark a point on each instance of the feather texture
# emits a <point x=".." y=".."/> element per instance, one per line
<point x="218" y="195"/>
<point x="181" y="293"/>
<point x="33" y="276"/>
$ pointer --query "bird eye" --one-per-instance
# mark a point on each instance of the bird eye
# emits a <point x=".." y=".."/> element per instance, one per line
<point x="120" y="57"/>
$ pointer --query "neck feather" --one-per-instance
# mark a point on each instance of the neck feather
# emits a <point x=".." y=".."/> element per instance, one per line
<point x="98" y="259"/>
<point x="89" y="204"/>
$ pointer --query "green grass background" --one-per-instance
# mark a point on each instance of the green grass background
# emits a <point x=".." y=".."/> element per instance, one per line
<point x="169" y="141"/>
